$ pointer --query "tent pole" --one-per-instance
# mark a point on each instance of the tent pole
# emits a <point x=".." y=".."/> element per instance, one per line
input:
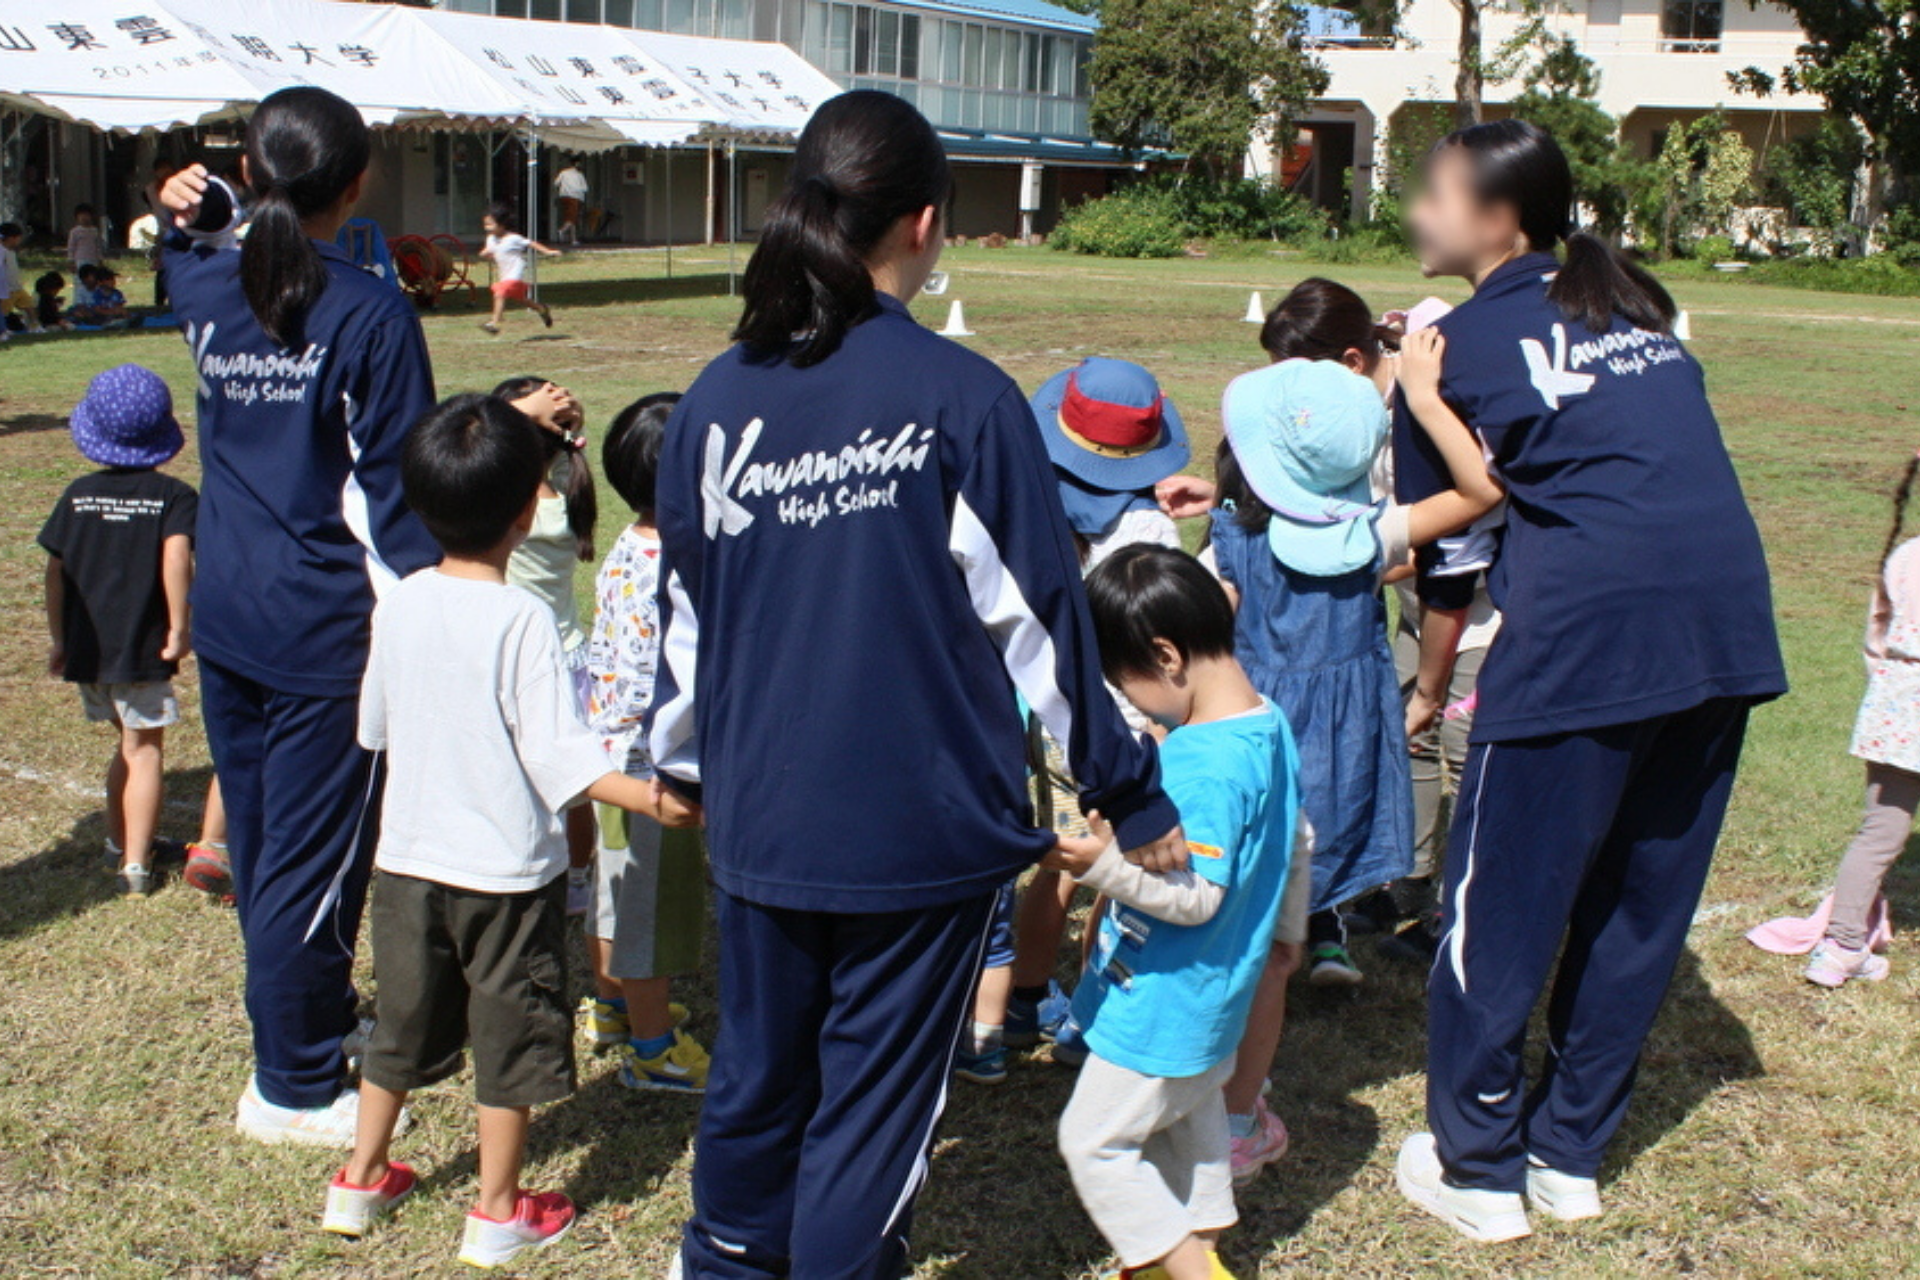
<point x="670" y="159"/>
<point x="733" y="209"/>
<point x="710" y="195"/>
<point x="533" y="197"/>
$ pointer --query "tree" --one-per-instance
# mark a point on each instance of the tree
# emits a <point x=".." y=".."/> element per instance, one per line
<point x="1863" y="58"/>
<point x="1812" y="176"/>
<point x="1558" y="97"/>
<point x="1474" y="69"/>
<point x="1703" y="171"/>
<point x="1200" y="76"/>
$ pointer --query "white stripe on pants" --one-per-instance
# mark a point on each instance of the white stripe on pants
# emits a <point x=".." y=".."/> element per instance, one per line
<point x="1150" y="1157"/>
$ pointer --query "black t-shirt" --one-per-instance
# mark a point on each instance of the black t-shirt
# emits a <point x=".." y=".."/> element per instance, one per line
<point x="107" y="532"/>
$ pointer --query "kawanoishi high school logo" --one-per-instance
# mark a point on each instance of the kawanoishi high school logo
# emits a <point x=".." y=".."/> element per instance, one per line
<point x="812" y="487"/>
<point x="1624" y="355"/>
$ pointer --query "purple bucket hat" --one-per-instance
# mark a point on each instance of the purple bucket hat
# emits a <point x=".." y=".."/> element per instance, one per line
<point x="126" y="420"/>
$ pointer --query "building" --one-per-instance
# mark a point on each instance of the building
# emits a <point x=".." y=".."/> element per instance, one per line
<point x="1660" y="62"/>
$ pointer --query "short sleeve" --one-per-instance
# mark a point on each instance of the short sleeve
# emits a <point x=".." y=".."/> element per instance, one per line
<point x="181" y="515"/>
<point x="561" y="756"/>
<point x="373" y="695"/>
<point x="53" y="534"/>
<point x="1215" y="814"/>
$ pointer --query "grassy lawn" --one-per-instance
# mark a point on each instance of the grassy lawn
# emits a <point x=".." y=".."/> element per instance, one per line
<point x="1771" y="1135"/>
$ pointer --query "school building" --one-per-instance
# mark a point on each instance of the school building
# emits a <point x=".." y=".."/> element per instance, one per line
<point x="1661" y="62"/>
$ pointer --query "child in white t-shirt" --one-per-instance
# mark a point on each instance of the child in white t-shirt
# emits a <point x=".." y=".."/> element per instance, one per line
<point x="467" y="693"/>
<point x="509" y="252"/>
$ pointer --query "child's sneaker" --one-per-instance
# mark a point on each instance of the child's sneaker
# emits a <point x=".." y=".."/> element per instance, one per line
<point x="1157" y="1272"/>
<point x="352" y="1211"/>
<point x="681" y="1069"/>
<point x="1832" y="965"/>
<point x="329" y="1126"/>
<point x="1031" y="1023"/>
<point x="608" y="1023"/>
<point x="209" y="871"/>
<point x="1489" y="1217"/>
<point x="137" y="881"/>
<point x="981" y="1068"/>
<point x="1561" y="1195"/>
<point x="1070" y="1045"/>
<point x="1331" y="966"/>
<point x="538" y="1220"/>
<point x="1266" y="1145"/>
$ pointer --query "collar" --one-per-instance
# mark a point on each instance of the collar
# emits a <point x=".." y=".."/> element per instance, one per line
<point x="1524" y="271"/>
<point x="887" y="302"/>
<point x="330" y="249"/>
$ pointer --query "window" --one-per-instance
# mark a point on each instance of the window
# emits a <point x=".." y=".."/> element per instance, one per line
<point x="910" y="46"/>
<point x="840" y="40"/>
<point x="619" y="13"/>
<point x="545" y="9"/>
<point x="950" y="51"/>
<point x="647" y="15"/>
<point x="862" y="40"/>
<point x="583" y="10"/>
<point x="1691" y="26"/>
<point x="510" y="8"/>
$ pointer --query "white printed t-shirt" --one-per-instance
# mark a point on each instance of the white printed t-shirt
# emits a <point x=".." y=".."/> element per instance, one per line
<point x="468" y="693"/>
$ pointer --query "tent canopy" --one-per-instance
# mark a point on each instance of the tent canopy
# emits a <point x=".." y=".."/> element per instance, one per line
<point x="130" y="65"/>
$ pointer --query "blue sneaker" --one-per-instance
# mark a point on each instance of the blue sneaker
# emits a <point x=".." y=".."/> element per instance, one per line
<point x="980" y="1068"/>
<point x="1070" y="1045"/>
<point x="1033" y="1023"/>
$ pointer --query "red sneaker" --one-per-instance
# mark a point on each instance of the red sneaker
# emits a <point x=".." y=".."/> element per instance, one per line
<point x="538" y="1220"/>
<point x="352" y="1211"/>
<point x="209" y="871"/>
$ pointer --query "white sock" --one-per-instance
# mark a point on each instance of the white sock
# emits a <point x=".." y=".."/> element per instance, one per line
<point x="987" y="1036"/>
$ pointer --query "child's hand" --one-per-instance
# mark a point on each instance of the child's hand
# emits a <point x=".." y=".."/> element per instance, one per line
<point x="179" y="644"/>
<point x="1420" y="354"/>
<point x="1076" y="855"/>
<point x="182" y="194"/>
<point x="552" y="407"/>
<point x="672" y="811"/>
<point x="56" y="659"/>
<point x="1184" y="496"/>
<point x="1164" y="856"/>
<point x="1422" y="710"/>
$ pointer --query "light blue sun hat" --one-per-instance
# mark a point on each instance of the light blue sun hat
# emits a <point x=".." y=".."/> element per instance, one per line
<point x="1306" y="433"/>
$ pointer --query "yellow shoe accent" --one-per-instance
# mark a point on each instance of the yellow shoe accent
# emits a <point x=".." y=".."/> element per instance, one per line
<point x="681" y="1069"/>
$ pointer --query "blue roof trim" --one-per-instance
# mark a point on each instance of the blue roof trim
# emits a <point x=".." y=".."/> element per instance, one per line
<point x="970" y="144"/>
<point x="1032" y="13"/>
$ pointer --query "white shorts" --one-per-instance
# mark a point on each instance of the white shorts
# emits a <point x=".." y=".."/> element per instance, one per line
<point x="147" y="705"/>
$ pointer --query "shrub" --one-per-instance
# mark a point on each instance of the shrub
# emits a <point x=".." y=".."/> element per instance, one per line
<point x="1714" y="249"/>
<point x="1132" y="223"/>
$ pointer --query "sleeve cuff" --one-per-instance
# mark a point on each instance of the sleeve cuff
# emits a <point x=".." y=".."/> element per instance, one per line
<point x="1144" y="823"/>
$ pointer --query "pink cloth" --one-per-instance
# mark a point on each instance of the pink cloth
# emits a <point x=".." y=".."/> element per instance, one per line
<point x="1797" y="935"/>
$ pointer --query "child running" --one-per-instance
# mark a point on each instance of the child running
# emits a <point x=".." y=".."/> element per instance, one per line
<point x="650" y="909"/>
<point x="119" y="564"/>
<point x="469" y="695"/>
<point x="1173" y="969"/>
<point x="1887" y="737"/>
<point x="509" y="251"/>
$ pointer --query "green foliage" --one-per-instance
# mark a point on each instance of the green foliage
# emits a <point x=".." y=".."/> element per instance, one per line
<point x="1155" y="218"/>
<point x="1812" y="178"/>
<point x="1715" y="249"/>
<point x="1382" y="240"/>
<point x="1200" y="76"/>
<point x="1558" y="94"/>
<point x="1137" y="222"/>
<point x="1704" y="169"/>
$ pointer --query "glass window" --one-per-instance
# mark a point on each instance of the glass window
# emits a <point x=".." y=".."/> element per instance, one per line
<point x="1012" y="58"/>
<point x="1066" y="56"/>
<point x="995" y="51"/>
<point x="1036" y="61"/>
<point x="813" y="44"/>
<point x="910" y="47"/>
<point x="951" y="40"/>
<point x="1082" y="56"/>
<point x="1692" y="26"/>
<point x="862" y="40"/>
<point x="677" y="15"/>
<point x="970" y="65"/>
<point x="583" y="10"/>
<point x="886" y="43"/>
<point x="510" y="8"/>
<point x="546" y="9"/>
<point x="840" y="40"/>
<point x="619" y="13"/>
<point x="647" y="15"/>
<point x="732" y="22"/>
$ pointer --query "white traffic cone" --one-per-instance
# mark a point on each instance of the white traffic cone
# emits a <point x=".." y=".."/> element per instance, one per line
<point x="1683" y="327"/>
<point x="1256" y="312"/>
<point x="956" y="322"/>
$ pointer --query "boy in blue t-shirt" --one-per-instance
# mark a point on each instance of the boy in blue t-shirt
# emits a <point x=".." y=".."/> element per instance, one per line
<point x="1174" y="966"/>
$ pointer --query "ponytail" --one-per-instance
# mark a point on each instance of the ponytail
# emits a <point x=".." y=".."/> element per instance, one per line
<point x="305" y="148"/>
<point x="1320" y="319"/>
<point x="582" y="499"/>
<point x="1900" y="496"/>
<point x="1597" y="282"/>
<point x="1519" y="164"/>
<point x="865" y="160"/>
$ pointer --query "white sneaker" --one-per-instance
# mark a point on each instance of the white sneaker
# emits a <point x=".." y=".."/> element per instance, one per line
<point x="352" y="1211"/>
<point x="678" y="1270"/>
<point x="539" y="1219"/>
<point x="329" y="1126"/>
<point x="1561" y="1195"/>
<point x="1486" y="1216"/>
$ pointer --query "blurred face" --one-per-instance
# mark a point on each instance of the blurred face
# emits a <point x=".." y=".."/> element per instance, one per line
<point x="488" y="225"/>
<point x="1164" y="694"/>
<point x="1455" y="233"/>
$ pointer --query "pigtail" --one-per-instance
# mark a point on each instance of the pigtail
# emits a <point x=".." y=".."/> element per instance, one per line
<point x="583" y="502"/>
<point x="1900" y="497"/>
<point x="1596" y="282"/>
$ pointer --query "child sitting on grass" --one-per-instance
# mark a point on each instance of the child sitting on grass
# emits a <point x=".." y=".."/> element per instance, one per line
<point x="468" y="694"/>
<point x="650" y="907"/>
<point x="119" y="563"/>
<point x="1172" y="973"/>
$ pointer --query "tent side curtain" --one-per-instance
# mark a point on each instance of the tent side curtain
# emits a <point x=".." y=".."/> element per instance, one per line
<point x="156" y="64"/>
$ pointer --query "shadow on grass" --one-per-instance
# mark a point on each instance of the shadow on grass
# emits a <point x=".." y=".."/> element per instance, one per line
<point x="69" y="878"/>
<point x="28" y="424"/>
<point x="562" y="294"/>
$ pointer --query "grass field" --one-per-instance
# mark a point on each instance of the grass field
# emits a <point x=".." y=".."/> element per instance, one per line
<point x="1772" y="1135"/>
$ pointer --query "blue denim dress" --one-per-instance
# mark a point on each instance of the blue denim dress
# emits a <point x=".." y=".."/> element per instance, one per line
<point x="1318" y="648"/>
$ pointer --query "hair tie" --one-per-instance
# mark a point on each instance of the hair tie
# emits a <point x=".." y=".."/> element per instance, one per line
<point x="577" y="443"/>
<point x="824" y="185"/>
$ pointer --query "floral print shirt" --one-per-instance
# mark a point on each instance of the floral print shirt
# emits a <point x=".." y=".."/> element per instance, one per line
<point x="1888" y="729"/>
<point x="624" y="649"/>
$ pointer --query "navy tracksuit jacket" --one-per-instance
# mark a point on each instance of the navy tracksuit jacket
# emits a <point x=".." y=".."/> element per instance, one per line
<point x="301" y="519"/>
<point x="1638" y="630"/>
<point x="863" y="563"/>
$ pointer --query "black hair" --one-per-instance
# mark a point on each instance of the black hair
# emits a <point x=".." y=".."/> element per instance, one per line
<point x="1519" y="164"/>
<point x="50" y="283"/>
<point x="8" y="230"/>
<point x="82" y="207"/>
<point x="87" y="272"/>
<point x="470" y="466"/>
<point x="1901" y="494"/>
<point x="305" y="148"/>
<point x="1143" y="593"/>
<point x="1233" y="493"/>
<point x="504" y="215"/>
<point x="865" y="160"/>
<point x="631" y="453"/>
<point x="1320" y="319"/>
<point x="583" y="503"/>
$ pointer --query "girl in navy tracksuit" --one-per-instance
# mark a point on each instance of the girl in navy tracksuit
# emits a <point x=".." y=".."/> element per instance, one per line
<point x="1638" y="633"/>
<point x="864" y="559"/>
<point x="310" y="373"/>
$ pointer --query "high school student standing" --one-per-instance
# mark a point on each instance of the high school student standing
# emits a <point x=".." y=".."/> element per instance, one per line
<point x="1638" y="631"/>
<point x="864" y="557"/>
<point x="310" y="373"/>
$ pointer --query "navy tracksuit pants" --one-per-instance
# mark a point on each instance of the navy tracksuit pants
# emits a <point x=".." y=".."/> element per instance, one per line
<point x="1600" y="840"/>
<point x="830" y="1071"/>
<point x="303" y="810"/>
